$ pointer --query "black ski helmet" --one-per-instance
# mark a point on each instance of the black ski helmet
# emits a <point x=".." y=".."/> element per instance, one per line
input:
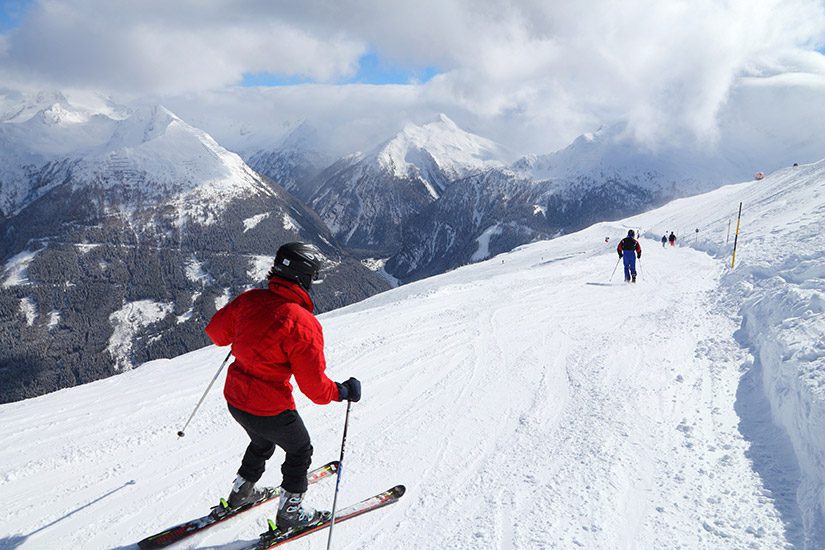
<point x="298" y="262"/>
<point x="631" y="233"/>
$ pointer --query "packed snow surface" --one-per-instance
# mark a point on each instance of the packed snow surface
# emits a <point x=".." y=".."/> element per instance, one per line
<point x="529" y="401"/>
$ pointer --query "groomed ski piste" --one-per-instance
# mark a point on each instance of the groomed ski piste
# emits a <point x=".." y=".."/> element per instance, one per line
<point x="526" y="402"/>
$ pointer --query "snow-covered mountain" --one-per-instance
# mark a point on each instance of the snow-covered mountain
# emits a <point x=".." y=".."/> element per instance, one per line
<point x="610" y="154"/>
<point x="16" y="106"/>
<point x="493" y="212"/>
<point x="430" y="199"/>
<point x="456" y="152"/>
<point x="122" y="235"/>
<point x="366" y="199"/>
<point x="39" y="138"/>
<point x="435" y="197"/>
<point x="151" y="153"/>
<point x="599" y="176"/>
<point x="686" y="410"/>
<point x="294" y="163"/>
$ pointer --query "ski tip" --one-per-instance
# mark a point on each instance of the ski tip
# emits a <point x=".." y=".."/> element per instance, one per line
<point x="398" y="490"/>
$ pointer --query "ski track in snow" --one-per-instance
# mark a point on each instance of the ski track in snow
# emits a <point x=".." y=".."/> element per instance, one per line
<point x="526" y="402"/>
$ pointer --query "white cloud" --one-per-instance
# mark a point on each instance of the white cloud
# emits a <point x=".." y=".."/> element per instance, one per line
<point x="530" y="73"/>
<point x="167" y="47"/>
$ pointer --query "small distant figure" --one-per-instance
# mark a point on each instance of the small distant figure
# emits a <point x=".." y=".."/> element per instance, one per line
<point x="672" y="239"/>
<point x="664" y="240"/>
<point x="629" y="249"/>
<point x="759" y="175"/>
<point x="795" y="164"/>
<point x="606" y="239"/>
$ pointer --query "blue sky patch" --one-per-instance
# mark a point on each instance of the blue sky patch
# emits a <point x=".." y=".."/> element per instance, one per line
<point x="371" y="70"/>
<point x="251" y="80"/>
<point x="11" y="11"/>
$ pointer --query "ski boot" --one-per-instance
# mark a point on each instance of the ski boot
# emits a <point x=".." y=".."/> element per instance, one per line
<point x="634" y="279"/>
<point x="244" y="492"/>
<point x="292" y="515"/>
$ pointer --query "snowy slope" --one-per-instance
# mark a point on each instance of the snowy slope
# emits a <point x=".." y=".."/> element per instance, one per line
<point x="526" y="402"/>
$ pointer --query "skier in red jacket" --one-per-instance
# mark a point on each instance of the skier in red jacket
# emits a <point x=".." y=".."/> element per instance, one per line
<point x="275" y="336"/>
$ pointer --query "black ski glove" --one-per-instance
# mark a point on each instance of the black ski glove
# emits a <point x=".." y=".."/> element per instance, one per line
<point x="620" y="254"/>
<point x="639" y="255"/>
<point x="349" y="390"/>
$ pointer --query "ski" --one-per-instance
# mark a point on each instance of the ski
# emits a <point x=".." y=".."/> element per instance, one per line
<point x="274" y="537"/>
<point x="222" y="512"/>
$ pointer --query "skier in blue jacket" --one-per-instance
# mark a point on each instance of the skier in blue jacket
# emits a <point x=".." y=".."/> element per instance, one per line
<point x="629" y="249"/>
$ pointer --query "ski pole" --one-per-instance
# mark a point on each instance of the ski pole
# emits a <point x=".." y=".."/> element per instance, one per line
<point x="338" y="479"/>
<point x="614" y="269"/>
<point x="182" y="431"/>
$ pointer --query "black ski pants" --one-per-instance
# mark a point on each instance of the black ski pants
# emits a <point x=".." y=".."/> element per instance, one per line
<point x="287" y="431"/>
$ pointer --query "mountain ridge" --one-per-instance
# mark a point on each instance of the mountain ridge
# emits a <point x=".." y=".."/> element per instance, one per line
<point x="97" y="249"/>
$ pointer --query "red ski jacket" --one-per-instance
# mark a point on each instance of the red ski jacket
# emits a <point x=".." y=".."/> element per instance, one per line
<point x="274" y="336"/>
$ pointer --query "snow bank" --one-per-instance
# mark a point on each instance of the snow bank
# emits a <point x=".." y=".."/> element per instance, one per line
<point x="776" y="294"/>
<point x="781" y="284"/>
<point x="777" y="287"/>
<point x="783" y="324"/>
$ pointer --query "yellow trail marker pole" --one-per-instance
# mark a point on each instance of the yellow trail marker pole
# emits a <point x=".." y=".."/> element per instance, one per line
<point x="736" y="237"/>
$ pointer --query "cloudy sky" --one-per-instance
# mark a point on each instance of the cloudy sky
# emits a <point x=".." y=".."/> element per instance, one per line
<point x="532" y="74"/>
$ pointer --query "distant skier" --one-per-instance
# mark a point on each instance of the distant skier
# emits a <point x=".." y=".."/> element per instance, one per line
<point x="629" y="249"/>
<point x="275" y="336"/>
<point x="664" y="240"/>
<point x="672" y="239"/>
